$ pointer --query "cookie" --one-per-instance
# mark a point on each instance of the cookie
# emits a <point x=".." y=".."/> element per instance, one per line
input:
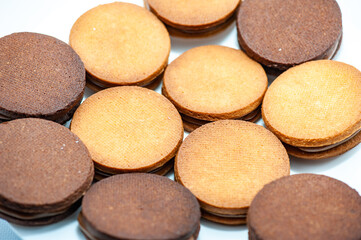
<point x="128" y="129"/>
<point x="280" y="34"/>
<point x="315" y="108"/>
<point x="139" y="206"/>
<point x="210" y="83"/>
<point x="186" y="16"/>
<point x="225" y="163"/>
<point x="40" y="76"/>
<point x="121" y="44"/>
<point x="305" y="206"/>
<point x="45" y="171"/>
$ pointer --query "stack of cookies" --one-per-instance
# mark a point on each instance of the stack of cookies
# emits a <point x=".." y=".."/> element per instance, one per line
<point x="211" y="83"/>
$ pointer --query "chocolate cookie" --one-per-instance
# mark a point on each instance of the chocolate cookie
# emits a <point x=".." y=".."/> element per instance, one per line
<point x="40" y="76"/>
<point x="45" y="171"/>
<point x="121" y="44"/>
<point x="283" y="33"/>
<point x="193" y="16"/>
<point x="225" y="163"/>
<point x="129" y="129"/>
<point x="139" y="206"/>
<point x="210" y="83"/>
<point x="305" y="206"/>
<point x="315" y="109"/>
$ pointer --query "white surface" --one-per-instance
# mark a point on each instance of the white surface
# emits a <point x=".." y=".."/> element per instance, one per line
<point x="56" y="18"/>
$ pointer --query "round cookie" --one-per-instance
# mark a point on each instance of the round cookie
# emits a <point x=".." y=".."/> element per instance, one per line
<point x="40" y="76"/>
<point x="209" y="83"/>
<point x="45" y="171"/>
<point x="185" y="16"/>
<point x="225" y="163"/>
<point x="305" y="206"/>
<point x="128" y="129"/>
<point x="283" y="33"/>
<point x="121" y="44"/>
<point x="315" y="108"/>
<point x="139" y="206"/>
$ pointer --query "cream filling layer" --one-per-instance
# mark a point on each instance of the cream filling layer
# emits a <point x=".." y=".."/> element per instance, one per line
<point x="324" y="148"/>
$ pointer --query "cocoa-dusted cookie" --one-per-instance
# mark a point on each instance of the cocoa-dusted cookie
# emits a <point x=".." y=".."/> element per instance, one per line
<point x="121" y="44"/>
<point x="192" y="17"/>
<point x="305" y="206"/>
<point x="283" y="33"/>
<point x="40" y="76"/>
<point x="315" y="109"/>
<point x="45" y="171"/>
<point x="139" y="206"/>
<point x="225" y="163"/>
<point x="129" y="129"/>
<point x="210" y="83"/>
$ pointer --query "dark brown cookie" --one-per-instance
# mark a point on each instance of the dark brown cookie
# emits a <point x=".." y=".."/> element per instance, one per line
<point x="45" y="170"/>
<point x="40" y="76"/>
<point x="305" y="206"/>
<point x="280" y="34"/>
<point x="139" y="206"/>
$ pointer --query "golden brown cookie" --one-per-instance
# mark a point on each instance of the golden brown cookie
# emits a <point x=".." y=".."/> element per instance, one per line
<point x="193" y="16"/>
<point x="315" y="108"/>
<point x="214" y="82"/>
<point x="225" y="164"/>
<point x="121" y="44"/>
<point x="128" y="129"/>
<point x="283" y="33"/>
<point x="305" y="206"/>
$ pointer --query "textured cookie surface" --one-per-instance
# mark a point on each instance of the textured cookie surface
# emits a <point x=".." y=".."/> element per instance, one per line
<point x="140" y="206"/>
<point x="314" y="104"/>
<point x="225" y="163"/>
<point x="305" y="206"/>
<point x="45" y="167"/>
<point x="121" y="43"/>
<point x="187" y="14"/>
<point x="215" y="82"/>
<point x="128" y="129"/>
<point x="281" y="33"/>
<point x="40" y="76"/>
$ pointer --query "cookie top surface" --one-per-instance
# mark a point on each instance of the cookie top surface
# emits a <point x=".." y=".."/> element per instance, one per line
<point x="141" y="206"/>
<point x="289" y="32"/>
<point x="211" y="82"/>
<point x="306" y="206"/>
<point x="314" y="104"/>
<point x="43" y="165"/>
<point x="128" y="128"/>
<point x="187" y="13"/>
<point x="39" y="75"/>
<point x="121" y="43"/>
<point x="225" y="163"/>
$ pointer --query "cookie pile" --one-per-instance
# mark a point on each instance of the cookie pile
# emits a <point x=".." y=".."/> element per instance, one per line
<point x="228" y="170"/>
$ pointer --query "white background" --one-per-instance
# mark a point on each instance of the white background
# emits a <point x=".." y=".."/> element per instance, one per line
<point x="56" y="18"/>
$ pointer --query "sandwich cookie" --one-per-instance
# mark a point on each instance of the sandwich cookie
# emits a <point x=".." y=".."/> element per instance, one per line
<point x="45" y="170"/>
<point x="210" y="83"/>
<point x="121" y="44"/>
<point x="225" y="163"/>
<point x="40" y="76"/>
<point x="192" y="17"/>
<point x="315" y="109"/>
<point x="129" y="129"/>
<point x="283" y="33"/>
<point x="139" y="206"/>
<point x="305" y="206"/>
